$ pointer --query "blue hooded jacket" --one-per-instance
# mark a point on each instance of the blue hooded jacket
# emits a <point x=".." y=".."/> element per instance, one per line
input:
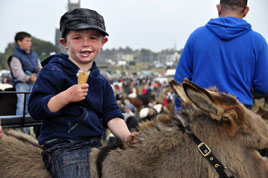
<point x="78" y="121"/>
<point x="228" y="54"/>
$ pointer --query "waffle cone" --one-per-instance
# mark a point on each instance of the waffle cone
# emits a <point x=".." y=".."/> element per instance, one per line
<point x="82" y="76"/>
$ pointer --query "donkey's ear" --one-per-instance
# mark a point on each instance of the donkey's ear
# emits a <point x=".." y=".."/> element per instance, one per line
<point x="202" y="99"/>
<point x="177" y="88"/>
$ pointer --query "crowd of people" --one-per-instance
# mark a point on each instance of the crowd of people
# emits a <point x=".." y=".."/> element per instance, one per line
<point x="147" y="90"/>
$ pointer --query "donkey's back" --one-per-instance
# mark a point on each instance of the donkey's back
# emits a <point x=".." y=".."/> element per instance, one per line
<point x="20" y="156"/>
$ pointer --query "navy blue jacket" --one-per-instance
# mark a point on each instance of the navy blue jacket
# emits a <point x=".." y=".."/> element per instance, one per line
<point x="77" y="121"/>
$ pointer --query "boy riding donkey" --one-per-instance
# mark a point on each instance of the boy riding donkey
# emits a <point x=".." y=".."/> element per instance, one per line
<point x="74" y="114"/>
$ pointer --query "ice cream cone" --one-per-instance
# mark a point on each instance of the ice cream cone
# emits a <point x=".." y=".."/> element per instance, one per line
<point x="82" y="76"/>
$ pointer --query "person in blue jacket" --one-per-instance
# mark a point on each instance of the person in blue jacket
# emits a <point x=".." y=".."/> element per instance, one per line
<point x="74" y="115"/>
<point x="226" y="53"/>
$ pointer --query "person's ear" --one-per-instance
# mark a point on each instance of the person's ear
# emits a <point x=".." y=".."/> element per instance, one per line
<point x="63" y="41"/>
<point x="245" y="12"/>
<point x="19" y="42"/>
<point x="219" y="9"/>
<point x="104" y="40"/>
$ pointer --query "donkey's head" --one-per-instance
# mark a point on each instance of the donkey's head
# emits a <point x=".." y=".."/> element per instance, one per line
<point x="237" y="126"/>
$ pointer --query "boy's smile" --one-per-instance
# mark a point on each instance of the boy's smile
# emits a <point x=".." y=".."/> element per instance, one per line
<point x="86" y="53"/>
<point x="83" y="46"/>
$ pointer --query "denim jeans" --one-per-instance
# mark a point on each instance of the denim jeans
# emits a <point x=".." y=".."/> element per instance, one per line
<point x="70" y="159"/>
<point x="22" y="87"/>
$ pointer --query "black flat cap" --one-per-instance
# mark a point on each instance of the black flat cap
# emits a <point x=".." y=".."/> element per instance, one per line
<point x="80" y="19"/>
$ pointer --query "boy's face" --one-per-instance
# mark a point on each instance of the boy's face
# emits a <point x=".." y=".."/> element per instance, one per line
<point x="83" y="46"/>
<point x="26" y="43"/>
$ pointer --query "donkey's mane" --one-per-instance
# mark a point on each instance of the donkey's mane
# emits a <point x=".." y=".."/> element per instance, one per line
<point x="161" y="118"/>
<point x="22" y="137"/>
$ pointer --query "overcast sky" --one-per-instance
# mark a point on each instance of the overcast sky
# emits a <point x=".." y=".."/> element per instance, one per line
<point x="150" y="24"/>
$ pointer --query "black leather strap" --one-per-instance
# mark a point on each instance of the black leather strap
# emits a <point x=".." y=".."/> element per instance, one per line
<point x="206" y="152"/>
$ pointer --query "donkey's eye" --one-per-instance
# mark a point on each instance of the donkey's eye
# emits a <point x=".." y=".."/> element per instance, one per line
<point x="225" y="119"/>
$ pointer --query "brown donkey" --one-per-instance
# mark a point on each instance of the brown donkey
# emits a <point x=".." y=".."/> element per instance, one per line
<point x="234" y="134"/>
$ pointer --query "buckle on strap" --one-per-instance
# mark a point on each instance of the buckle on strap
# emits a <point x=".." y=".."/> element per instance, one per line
<point x="204" y="149"/>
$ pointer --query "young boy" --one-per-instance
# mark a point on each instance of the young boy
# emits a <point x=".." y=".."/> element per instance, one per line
<point x="74" y="115"/>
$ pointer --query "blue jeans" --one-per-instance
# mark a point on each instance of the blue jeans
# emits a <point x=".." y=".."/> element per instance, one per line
<point x="70" y="159"/>
<point x="22" y="87"/>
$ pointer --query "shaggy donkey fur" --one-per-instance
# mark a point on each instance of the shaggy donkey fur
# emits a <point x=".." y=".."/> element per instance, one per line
<point x="20" y="156"/>
<point x="263" y="112"/>
<point x="234" y="134"/>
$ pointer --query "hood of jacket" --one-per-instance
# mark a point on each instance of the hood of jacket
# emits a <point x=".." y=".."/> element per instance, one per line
<point x="63" y="60"/>
<point x="227" y="28"/>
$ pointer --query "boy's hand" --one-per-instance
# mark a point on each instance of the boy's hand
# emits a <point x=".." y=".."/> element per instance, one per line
<point x="133" y="137"/>
<point x="74" y="93"/>
<point x="77" y="92"/>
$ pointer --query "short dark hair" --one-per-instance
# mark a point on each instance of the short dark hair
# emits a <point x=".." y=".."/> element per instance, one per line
<point x="234" y="4"/>
<point x="21" y="35"/>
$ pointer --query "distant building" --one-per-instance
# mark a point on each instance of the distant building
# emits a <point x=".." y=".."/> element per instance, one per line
<point x="170" y="72"/>
<point x="72" y="5"/>
<point x="169" y="57"/>
<point x="127" y="57"/>
<point x="60" y="48"/>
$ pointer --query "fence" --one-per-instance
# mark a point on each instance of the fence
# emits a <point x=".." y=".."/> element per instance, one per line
<point x="16" y="121"/>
